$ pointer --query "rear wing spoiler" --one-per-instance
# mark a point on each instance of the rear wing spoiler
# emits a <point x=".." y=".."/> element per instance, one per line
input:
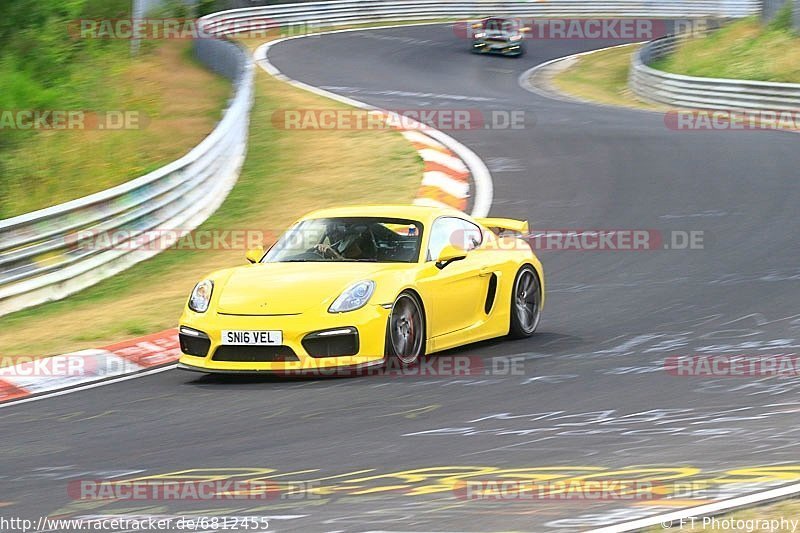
<point x="501" y="226"/>
<point x="481" y="24"/>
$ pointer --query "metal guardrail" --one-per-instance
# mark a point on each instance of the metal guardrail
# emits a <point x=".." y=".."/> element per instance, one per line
<point x="796" y="16"/>
<point x="49" y="254"/>
<point x="42" y="255"/>
<point x="342" y="12"/>
<point x="681" y="91"/>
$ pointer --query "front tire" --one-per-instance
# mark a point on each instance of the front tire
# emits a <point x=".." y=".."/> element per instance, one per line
<point x="405" y="335"/>
<point x="526" y="303"/>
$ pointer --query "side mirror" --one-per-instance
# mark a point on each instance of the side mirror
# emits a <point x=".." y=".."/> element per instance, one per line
<point x="449" y="254"/>
<point x="254" y="255"/>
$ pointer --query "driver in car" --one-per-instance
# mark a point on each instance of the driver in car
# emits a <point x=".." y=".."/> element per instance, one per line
<point x="350" y="246"/>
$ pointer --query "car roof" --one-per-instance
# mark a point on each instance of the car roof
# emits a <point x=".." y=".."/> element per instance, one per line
<point x="420" y="213"/>
<point x="501" y="19"/>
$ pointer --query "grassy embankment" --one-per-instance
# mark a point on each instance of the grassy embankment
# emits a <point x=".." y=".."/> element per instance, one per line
<point x="172" y="101"/>
<point x="745" y="49"/>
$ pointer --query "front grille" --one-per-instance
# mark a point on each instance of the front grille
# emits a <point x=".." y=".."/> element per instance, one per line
<point x="255" y="354"/>
<point x="332" y="343"/>
<point x="194" y="344"/>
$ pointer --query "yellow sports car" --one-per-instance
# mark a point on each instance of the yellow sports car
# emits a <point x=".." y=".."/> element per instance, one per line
<point x="352" y="287"/>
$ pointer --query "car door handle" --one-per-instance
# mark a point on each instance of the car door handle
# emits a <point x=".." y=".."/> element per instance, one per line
<point x="485" y="271"/>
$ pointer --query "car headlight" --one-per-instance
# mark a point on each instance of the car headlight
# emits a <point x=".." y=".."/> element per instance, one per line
<point x="354" y="297"/>
<point x="480" y="35"/>
<point x="516" y="37"/>
<point x="201" y="296"/>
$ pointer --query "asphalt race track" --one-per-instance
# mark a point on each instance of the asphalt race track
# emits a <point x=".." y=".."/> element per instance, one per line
<point x="593" y="396"/>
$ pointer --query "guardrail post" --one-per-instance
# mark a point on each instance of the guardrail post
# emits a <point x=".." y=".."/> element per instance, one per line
<point x="137" y="13"/>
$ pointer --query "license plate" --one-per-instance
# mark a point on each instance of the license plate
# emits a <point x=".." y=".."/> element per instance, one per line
<point x="252" y="338"/>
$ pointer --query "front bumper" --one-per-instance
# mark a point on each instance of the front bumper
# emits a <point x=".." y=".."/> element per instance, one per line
<point x="342" y="370"/>
<point x="510" y="48"/>
<point x="369" y="322"/>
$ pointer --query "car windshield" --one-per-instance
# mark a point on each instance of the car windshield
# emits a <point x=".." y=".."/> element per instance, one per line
<point x="368" y="239"/>
<point x="502" y="27"/>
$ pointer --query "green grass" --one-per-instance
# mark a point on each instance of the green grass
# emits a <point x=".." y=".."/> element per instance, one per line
<point x="181" y="103"/>
<point x="743" y="50"/>
<point x="600" y="77"/>
<point x="45" y="67"/>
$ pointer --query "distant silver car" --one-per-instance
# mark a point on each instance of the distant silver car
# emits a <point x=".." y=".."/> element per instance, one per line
<point x="499" y="35"/>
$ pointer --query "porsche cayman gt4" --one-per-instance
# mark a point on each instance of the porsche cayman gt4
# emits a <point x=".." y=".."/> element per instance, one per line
<point x="352" y="287"/>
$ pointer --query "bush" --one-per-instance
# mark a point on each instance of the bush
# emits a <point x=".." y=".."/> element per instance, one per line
<point x="43" y="67"/>
<point x="206" y="7"/>
<point x="783" y="19"/>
